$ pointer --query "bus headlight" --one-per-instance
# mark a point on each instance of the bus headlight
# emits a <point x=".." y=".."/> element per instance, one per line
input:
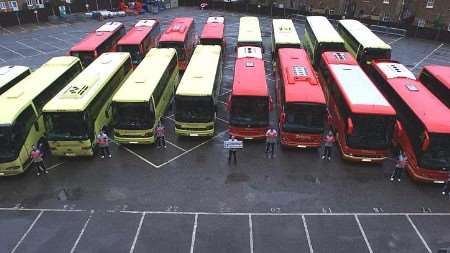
<point x="148" y="134"/>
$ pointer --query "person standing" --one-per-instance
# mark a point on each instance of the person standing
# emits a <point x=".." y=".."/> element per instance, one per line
<point x="38" y="161"/>
<point x="400" y="165"/>
<point x="446" y="189"/>
<point x="232" y="151"/>
<point x="160" y="136"/>
<point x="328" y="142"/>
<point x="103" y="144"/>
<point x="271" y="140"/>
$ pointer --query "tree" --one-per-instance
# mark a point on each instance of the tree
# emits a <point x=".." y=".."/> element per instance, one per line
<point x="438" y="25"/>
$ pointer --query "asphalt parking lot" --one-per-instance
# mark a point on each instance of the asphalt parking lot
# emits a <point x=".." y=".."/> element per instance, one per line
<point x="186" y="198"/>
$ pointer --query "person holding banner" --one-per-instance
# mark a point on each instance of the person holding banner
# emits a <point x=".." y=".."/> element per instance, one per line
<point x="232" y="151"/>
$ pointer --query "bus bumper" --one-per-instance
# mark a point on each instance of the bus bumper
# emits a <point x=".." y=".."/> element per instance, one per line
<point x="71" y="148"/>
<point x="192" y="133"/>
<point x="300" y="140"/>
<point x="427" y="176"/>
<point x="134" y="136"/>
<point x="248" y="133"/>
<point x="12" y="168"/>
<point x="194" y="129"/>
<point x="369" y="156"/>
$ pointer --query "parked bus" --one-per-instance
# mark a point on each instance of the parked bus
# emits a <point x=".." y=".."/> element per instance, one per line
<point x="140" y="39"/>
<point x="102" y="40"/>
<point x="249" y="33"/>
<point x="437" y="80"/>
<point x="181" y="36"/>
<point x="301" y="102"/>
<point x="77" y="114"/>
<point x="21" y="120"/>
<point x="364" y="45"/>
<point x="284" y="35"/>
<point x="423" y="129"/>
<point x="213" y="32"/>
<point x="11" y="75"/>
<point x="144" y="97"/>
<point x="320" y="36"/>
<point x="197" y="95"/>
<point x="249" y="102"/>
<point x="360" y="115"/>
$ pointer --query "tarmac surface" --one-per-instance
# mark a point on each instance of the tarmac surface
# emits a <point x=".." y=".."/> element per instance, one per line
<point x="186" y="198"/>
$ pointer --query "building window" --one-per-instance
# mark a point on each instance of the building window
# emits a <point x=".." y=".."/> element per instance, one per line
<point x="386" y="19"/>
<point x="13" y="5"/>
<point x="420" y="22"/>
<point x="331" y="12"/>
<point x="2" y="5"/>
<point x="430" y="4"/>
<point x="386" y="1"/>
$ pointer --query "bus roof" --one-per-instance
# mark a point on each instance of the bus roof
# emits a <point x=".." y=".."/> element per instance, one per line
<point x="323" y="29"/>
<point x="429" y="109"/>
<point x="140" y="85"/>
<point x="284" y="32"/>
<point x="8" y="73"/>
<point x="212" y="31"/>
<point x="178" y="29"/>
<point x="97" y="37"/>
<point x="299" y="78"/>
<point x="16" y="99"/>
<point x="216" y="19"/>
<point x="199" y="78"/>
<point x="363" y="34"/>
<point x="80" y="92"/>
<point x="249" y="30"/>
<point x="249" y="77"/>
<point x="138" y="32"/>
<point x="442" y="73"/>
<point x="360" y="93"/>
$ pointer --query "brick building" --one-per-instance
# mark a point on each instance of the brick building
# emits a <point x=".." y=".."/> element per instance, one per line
<point x="434" y="14"/>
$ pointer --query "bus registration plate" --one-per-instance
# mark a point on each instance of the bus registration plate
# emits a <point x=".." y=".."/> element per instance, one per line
<point x="70" y="154"/>
<point x="366" y="160"/>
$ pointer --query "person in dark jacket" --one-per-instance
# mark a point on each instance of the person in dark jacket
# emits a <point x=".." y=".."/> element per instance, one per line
<point x="400" y="165"/>
<point x="446" y="189"/>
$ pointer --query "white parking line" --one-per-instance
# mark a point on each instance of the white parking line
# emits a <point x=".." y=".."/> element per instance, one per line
<point x="418" y="233"/>
<point x="27" y="232"/>
<point x="56" y="38"/>
<point x="250" y="225"/>
<point x="2" y="60"/>
<point x="51" y="45"/>
<point x="82" y="232"/>
<point x="54" y="166"/>
<point x="308" y="238"/>
<point x="180" y="148"/>
<point x="30" y="47"/>
<point x="426" y="57"/>
<point x="40" y="209"/>
<point x="138" y="231"/>
<point x="138" y="156"/>
<point x="194" y="232"/>
<point x="10" y="50"/>
<point x="398" y="39"/>
<point x="223" y="120"/>
<point x="363" y="233"/>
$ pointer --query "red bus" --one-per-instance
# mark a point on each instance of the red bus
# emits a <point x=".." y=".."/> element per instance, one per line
<point x="437" y="79"/>
<point x="249" y="102"/>
<point x="359" y="113"/>
<point x="140" y="39"/>
<point x="181" y="36"/>
<point x="102" y="40"/>
<point x="213" y="32"/>
<point x="301" y="102"/>
<point x="423" y="127"/>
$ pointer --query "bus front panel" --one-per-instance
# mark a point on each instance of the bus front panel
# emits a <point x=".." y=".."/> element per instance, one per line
<point x="249" y="116"/>
<point x="194" y="115"/>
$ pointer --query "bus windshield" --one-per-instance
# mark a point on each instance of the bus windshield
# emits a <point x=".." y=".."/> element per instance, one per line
<point x="7" y="149"/>
<point x="304" y="118"/>
<point x="249" y="111"/>
<point x="194" y="109"/>
<point x="67" y="125"/>
<point x="86" y="57"/>
<point x="135" y="52"/>
<point x="211" y="42"/>
<point x="133" y="116"/>
<point x="179" y="46"/>
<point x="329" y="46"/>
<point x="376" y="53"/>
<point x="437" y="156"/>
<point x="371" y="132"/>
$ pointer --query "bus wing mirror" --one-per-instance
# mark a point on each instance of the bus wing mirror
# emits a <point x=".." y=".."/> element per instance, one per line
<point x="399" y="128"/>
<point x="349" y="126"/>
<point x="426" y="141"/>
<point x="283" y="117"/>
<point x="270" y="104"/>
<point x="228" y="103"/>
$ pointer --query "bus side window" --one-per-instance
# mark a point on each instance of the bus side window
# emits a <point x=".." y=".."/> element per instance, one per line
<point x="23" y="125"/>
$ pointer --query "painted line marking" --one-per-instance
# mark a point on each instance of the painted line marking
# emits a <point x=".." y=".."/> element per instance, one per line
<point x="194" y="232"/>
<point x="286" y="214"/>
<point x="223" y="120"/>
<point x="10" y="50"/>
<point x="394" y="41"/>
<point x="138" y="231"/>
<point x="418" y="233"/>
<point x="51" y="45"/>
<point x="2" y="60"/>
<point x="39" y="209"/>
<point x="56" y="38"/>
<point x="82" y="232"/>
<point x="8" y="31"/>
<point x="426" y="57"/>
<point x="308" y="238"/>
<point x="54" y="166"/>
<point x="27" y="232"/>
<point x="363" y="234"/>
<point x="180" y="148"/>
<point x="32" y="48"/>
<point x="250" y="225"/>
<point x="138" y="155"/>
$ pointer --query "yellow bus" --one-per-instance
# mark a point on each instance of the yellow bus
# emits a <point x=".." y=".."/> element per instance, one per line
<point x="249" y="33"/>
<point x="197" y="94"/>
<point x="284" y="35"/>
<point x="77" y="114"/>
<point x="320" y="36"/>
<point x="362" y="43"/>
<point x="144" y="97"/>
<point x="10" y="75"/>
<point x="21" y="120"/>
